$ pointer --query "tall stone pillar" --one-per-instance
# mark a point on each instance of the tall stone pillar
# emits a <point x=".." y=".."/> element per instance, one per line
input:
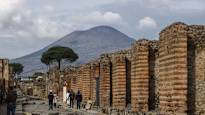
<point x="196" y="69"/>
<point x="105" y="82"/>
<point x="140" y="76"/>
<point x="74" y="81"/>
<point x="86" y="82"/>
<point x="119" y="82"/>
<point x="79" y="79"/>
<point x="173" y="72"/>
<point x="95" y="71"/>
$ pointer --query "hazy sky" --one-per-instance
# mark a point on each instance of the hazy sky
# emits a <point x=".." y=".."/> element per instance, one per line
<point x="29" y="25"/>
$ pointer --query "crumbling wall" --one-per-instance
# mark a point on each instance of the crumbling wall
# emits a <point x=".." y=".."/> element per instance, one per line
<point x="95" y="73"/>
<point x="153" y="76"/>
<point x="196" y="65"/>
<point x="86" y="82"/>
<point x="119" y="82"/>
<point x="4" y="73"/>
<point x="173" y="70"/>
<point x="167" y="76"/>
<point x="140" y="76"/>
<point x="105" y="81"/>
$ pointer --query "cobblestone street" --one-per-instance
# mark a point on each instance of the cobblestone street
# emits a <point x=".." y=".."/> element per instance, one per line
<point x="36" y="106"/>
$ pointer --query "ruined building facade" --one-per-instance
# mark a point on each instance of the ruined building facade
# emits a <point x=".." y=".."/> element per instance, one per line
<point x="166" y="75"/>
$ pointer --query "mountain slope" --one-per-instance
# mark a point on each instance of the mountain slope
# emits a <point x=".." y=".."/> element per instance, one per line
<point x="87" y="44"/>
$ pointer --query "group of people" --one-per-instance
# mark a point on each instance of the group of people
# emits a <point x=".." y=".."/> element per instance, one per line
<point x="71" y="97"/>
<point x="9" y="97"/>
<point x="52" y="100"/>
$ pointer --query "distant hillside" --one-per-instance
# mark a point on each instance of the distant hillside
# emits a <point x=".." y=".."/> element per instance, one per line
<point x="87" y="44"/>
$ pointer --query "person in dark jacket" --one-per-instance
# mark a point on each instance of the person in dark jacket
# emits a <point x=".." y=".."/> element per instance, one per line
<point x="11" y="101"/>
<point x="50" y="100"/>
<point x="79" y="98"/>
<point x="2" y="92"/>
<point x="72" y="97"/>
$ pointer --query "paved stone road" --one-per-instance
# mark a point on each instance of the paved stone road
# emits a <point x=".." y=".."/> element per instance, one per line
<point x="3" y="109"/>
<point x="40" y="107"/>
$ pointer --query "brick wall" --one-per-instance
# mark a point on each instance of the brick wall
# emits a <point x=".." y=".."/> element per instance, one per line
<point x="140" y="76"/>
<point x="173" y="70"/>
<point x="119" y="82"/>
<point x="167" y="75"/>
<point x="105" y="82"/>
<point x="86" y="82"/>
<point x="196" y="65"/>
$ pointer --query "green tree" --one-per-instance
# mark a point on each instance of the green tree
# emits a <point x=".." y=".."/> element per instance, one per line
<point x="17" y="68"/>
<point x="57" y="54"/>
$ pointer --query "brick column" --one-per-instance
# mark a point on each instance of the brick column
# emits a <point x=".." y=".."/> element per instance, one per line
<point x="74" y="81"/>
<point x="140" y="76"/>
<point x="94" y="74"/>
<point x="119" y="82"/>
<point x="173" y="70"/>
<point x="105" y="82"/>
<point x="79" y="80"/>
<point x="86" y="82"/>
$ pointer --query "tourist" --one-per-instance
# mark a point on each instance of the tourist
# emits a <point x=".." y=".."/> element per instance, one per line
<point x="72" y="95"/>
<point x="11" y="101"/>
<point x="79" y="98"/>
<point x="50" y="100"/>
<point x="55" y="100"/>
<point x="2" y="92"/>
<point x="68" y="98"/>
<point x="88" y="104"/>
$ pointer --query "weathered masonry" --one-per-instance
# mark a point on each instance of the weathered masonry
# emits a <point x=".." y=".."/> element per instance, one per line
<point x="4" y="74"/>
<point x="166" y="76"/>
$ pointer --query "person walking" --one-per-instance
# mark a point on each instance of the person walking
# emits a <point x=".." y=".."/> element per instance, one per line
<point x="55" y="100"/>
<point x="50" y="100"/>
<point x="68" y="98"/>
<point x="79" y="98"/>
<point x="1" y="95"/>
<point x="72" y="95"/>
<point x="11" y="101"/>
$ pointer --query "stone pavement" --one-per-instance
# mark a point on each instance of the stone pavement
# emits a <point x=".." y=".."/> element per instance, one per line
<point x="29" y="106"/>
<point x="3" y="109"/>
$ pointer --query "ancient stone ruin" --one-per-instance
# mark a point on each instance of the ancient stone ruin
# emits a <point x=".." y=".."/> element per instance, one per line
<point x="166" y="76"/>
<point x="4" y="74"/>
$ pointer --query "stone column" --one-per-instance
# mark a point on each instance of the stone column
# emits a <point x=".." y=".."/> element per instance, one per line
<point x="140" y="76"/>
<point x="94" y="74"/>
<point x="105" y="82"/>
<point x="79" y="80"/>
<point x="199" y="79"/>
<point x="74" y="81"/>
<point x="86" y="82"/>
<point x="119" y="82"/>
<point x="173" y="71"/>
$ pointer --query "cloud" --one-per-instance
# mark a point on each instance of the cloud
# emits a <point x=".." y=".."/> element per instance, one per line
<point x="35" y="23"/>
<point x="100" y="18"/>
<point x="146" y="23"/>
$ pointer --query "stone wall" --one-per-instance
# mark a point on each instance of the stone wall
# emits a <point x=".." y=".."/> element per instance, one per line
<point x="173" y="70"/>
<point x="166" y="75"/>
<point x="119" y="82"/>
<point x="196" y="65"/>
<point x="105" y="77"/>
<point x="86" y="82"/>
<point x="4" y="73"/>
<point x="140" y="76"/>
